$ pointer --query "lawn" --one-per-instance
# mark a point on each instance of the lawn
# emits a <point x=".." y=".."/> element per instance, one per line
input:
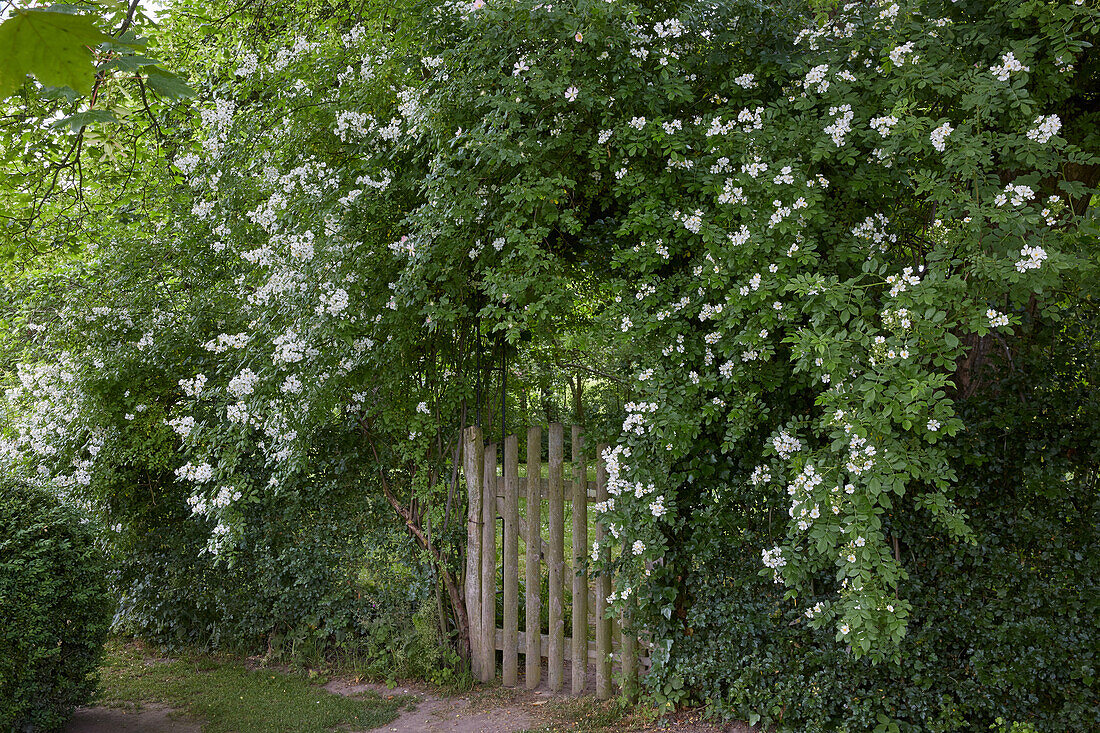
<point x="230" y="696"/>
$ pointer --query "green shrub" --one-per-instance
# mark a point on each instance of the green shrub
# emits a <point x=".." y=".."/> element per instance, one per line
<point x="292" y="588"/>
<point x="54" y="608"/>
<point x="1005" y="629"/>
<point x="1003" y="634"/>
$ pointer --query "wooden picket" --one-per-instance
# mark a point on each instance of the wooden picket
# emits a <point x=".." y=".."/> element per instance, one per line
<point x="533" y="609"/>
<point x="489" y="566"/>
<point x="510" y="662"/>
<point x="555" y="561"/>
<point x="473" y="459"/>
<point x="580" y="549"/>
<point x="492" y="497"/>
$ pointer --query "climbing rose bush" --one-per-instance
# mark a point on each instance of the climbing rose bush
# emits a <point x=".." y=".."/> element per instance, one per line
<point x="809" y="220"/>
<point x="805" y="220"/>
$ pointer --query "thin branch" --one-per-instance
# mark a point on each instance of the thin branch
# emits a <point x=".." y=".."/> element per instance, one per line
<point x="152" y="117"/>
<point x="129" y="20"/>
<point x="590" y="370"/>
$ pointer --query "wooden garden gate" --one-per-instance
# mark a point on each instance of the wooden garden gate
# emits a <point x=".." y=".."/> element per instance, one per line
<point x="493" y="496"/>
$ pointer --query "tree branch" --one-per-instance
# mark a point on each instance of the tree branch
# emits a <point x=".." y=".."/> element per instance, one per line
<point x="462" y="620"/>
<point x="590" y="370"/>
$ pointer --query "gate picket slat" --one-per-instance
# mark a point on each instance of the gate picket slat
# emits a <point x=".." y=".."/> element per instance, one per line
<point x="603" y="590"/>
<point x="555" y="563"/>
<point x="473" y="457"/>
<point x="511" y="561"/>
<point x="533" y="545"/>
<point x="580" y="575"/>
<point x="489" y="566"/>
<point x="617" y="644"/>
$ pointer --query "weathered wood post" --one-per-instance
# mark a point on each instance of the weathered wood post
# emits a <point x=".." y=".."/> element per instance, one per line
<point x="473" y="458"/>
<point x="510" y="671"/>
<point x="533" y="541"/>
<point x="603" y="590"/>
<point x="555" y="562"/>
<point x="580" y="575"/>
<point x="489" y="566"/>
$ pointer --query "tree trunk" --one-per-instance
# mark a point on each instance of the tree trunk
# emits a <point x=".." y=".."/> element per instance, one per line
<point x="578" y="400"/>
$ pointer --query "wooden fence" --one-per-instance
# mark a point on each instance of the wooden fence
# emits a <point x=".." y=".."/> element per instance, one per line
<point x="492" y="496"/>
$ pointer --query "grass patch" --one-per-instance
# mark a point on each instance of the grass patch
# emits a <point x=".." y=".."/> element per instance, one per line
<point x="229" y="697"/>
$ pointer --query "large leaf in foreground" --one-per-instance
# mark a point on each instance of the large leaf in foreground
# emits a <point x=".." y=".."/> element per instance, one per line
<point x="50" y="45"/>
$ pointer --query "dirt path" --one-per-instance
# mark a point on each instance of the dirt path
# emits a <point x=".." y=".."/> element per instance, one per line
<point x="460" y="714"/>
<point x="433" y="714"/>
<point x="151" y="718"/>
<point x="473" y="713"/>
<point x="502" y="710"/>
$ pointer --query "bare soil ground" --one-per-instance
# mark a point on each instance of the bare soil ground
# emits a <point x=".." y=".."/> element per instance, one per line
<point x="501" y="710"/>
<point x="150" y="718"/>
<point x="434" y="714"/>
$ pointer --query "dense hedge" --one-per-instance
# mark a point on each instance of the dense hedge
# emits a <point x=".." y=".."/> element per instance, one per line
<point x="308" y="574"/>
<point x="994" y="634"/>
<point x="54" y="610"/>
<point x="1006" y="629"/>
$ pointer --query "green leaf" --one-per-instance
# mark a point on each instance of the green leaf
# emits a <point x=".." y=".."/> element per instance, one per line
<point x="131" y="62"/>
<point x="50" y="45"/>
<point x="167" y="84"/>
<point x="69" y="95"/>
<point x="81" y="120"/>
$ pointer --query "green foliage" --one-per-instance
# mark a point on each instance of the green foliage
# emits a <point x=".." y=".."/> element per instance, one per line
<point x="83" y="149"/>
<point x="1001" y="630"/>
<point x="51" y="45"/>
<point x="816" y="247"/>
<point x="400" y="640"/>
<point x="168" y="85"/>
<point x="55" y="610"/>
<point x="293" y="593"/>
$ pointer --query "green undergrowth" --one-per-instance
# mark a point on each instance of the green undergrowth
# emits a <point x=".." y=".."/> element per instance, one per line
<point x="229" y="696"/>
